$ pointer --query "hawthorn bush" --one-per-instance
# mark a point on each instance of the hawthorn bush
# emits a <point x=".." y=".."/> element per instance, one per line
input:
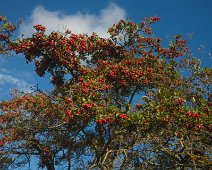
<point x="124" y="102"/>
<point x="6" y="31"/>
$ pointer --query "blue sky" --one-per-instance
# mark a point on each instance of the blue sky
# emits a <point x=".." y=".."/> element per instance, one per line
<point x="177" y="16"/>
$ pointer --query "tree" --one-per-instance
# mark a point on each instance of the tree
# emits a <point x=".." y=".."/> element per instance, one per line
<point x="6" y="31"/>
<point x="124" y="102"/>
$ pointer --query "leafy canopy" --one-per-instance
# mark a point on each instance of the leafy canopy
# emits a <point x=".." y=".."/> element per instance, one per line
<point x="122" y="102"/>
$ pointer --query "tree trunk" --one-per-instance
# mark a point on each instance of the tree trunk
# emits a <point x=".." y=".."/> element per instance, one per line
<point x="50" y="164"/>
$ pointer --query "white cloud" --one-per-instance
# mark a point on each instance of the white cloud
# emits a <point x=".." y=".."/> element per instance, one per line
<point x="77" y="23"/>
<point x="58" y="21"/>
<point x="12" y="80"/>
<point x="9" y="82"/>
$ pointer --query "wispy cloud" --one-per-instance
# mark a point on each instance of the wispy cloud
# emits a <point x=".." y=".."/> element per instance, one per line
<point x="8" y="82"/>
<point x="5" y="79"/>
<point x="77" y="23"/>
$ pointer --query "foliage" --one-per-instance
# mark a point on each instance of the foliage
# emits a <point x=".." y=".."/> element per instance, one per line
<point x="124" y="102"/>
<point x="6" y="31"/>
